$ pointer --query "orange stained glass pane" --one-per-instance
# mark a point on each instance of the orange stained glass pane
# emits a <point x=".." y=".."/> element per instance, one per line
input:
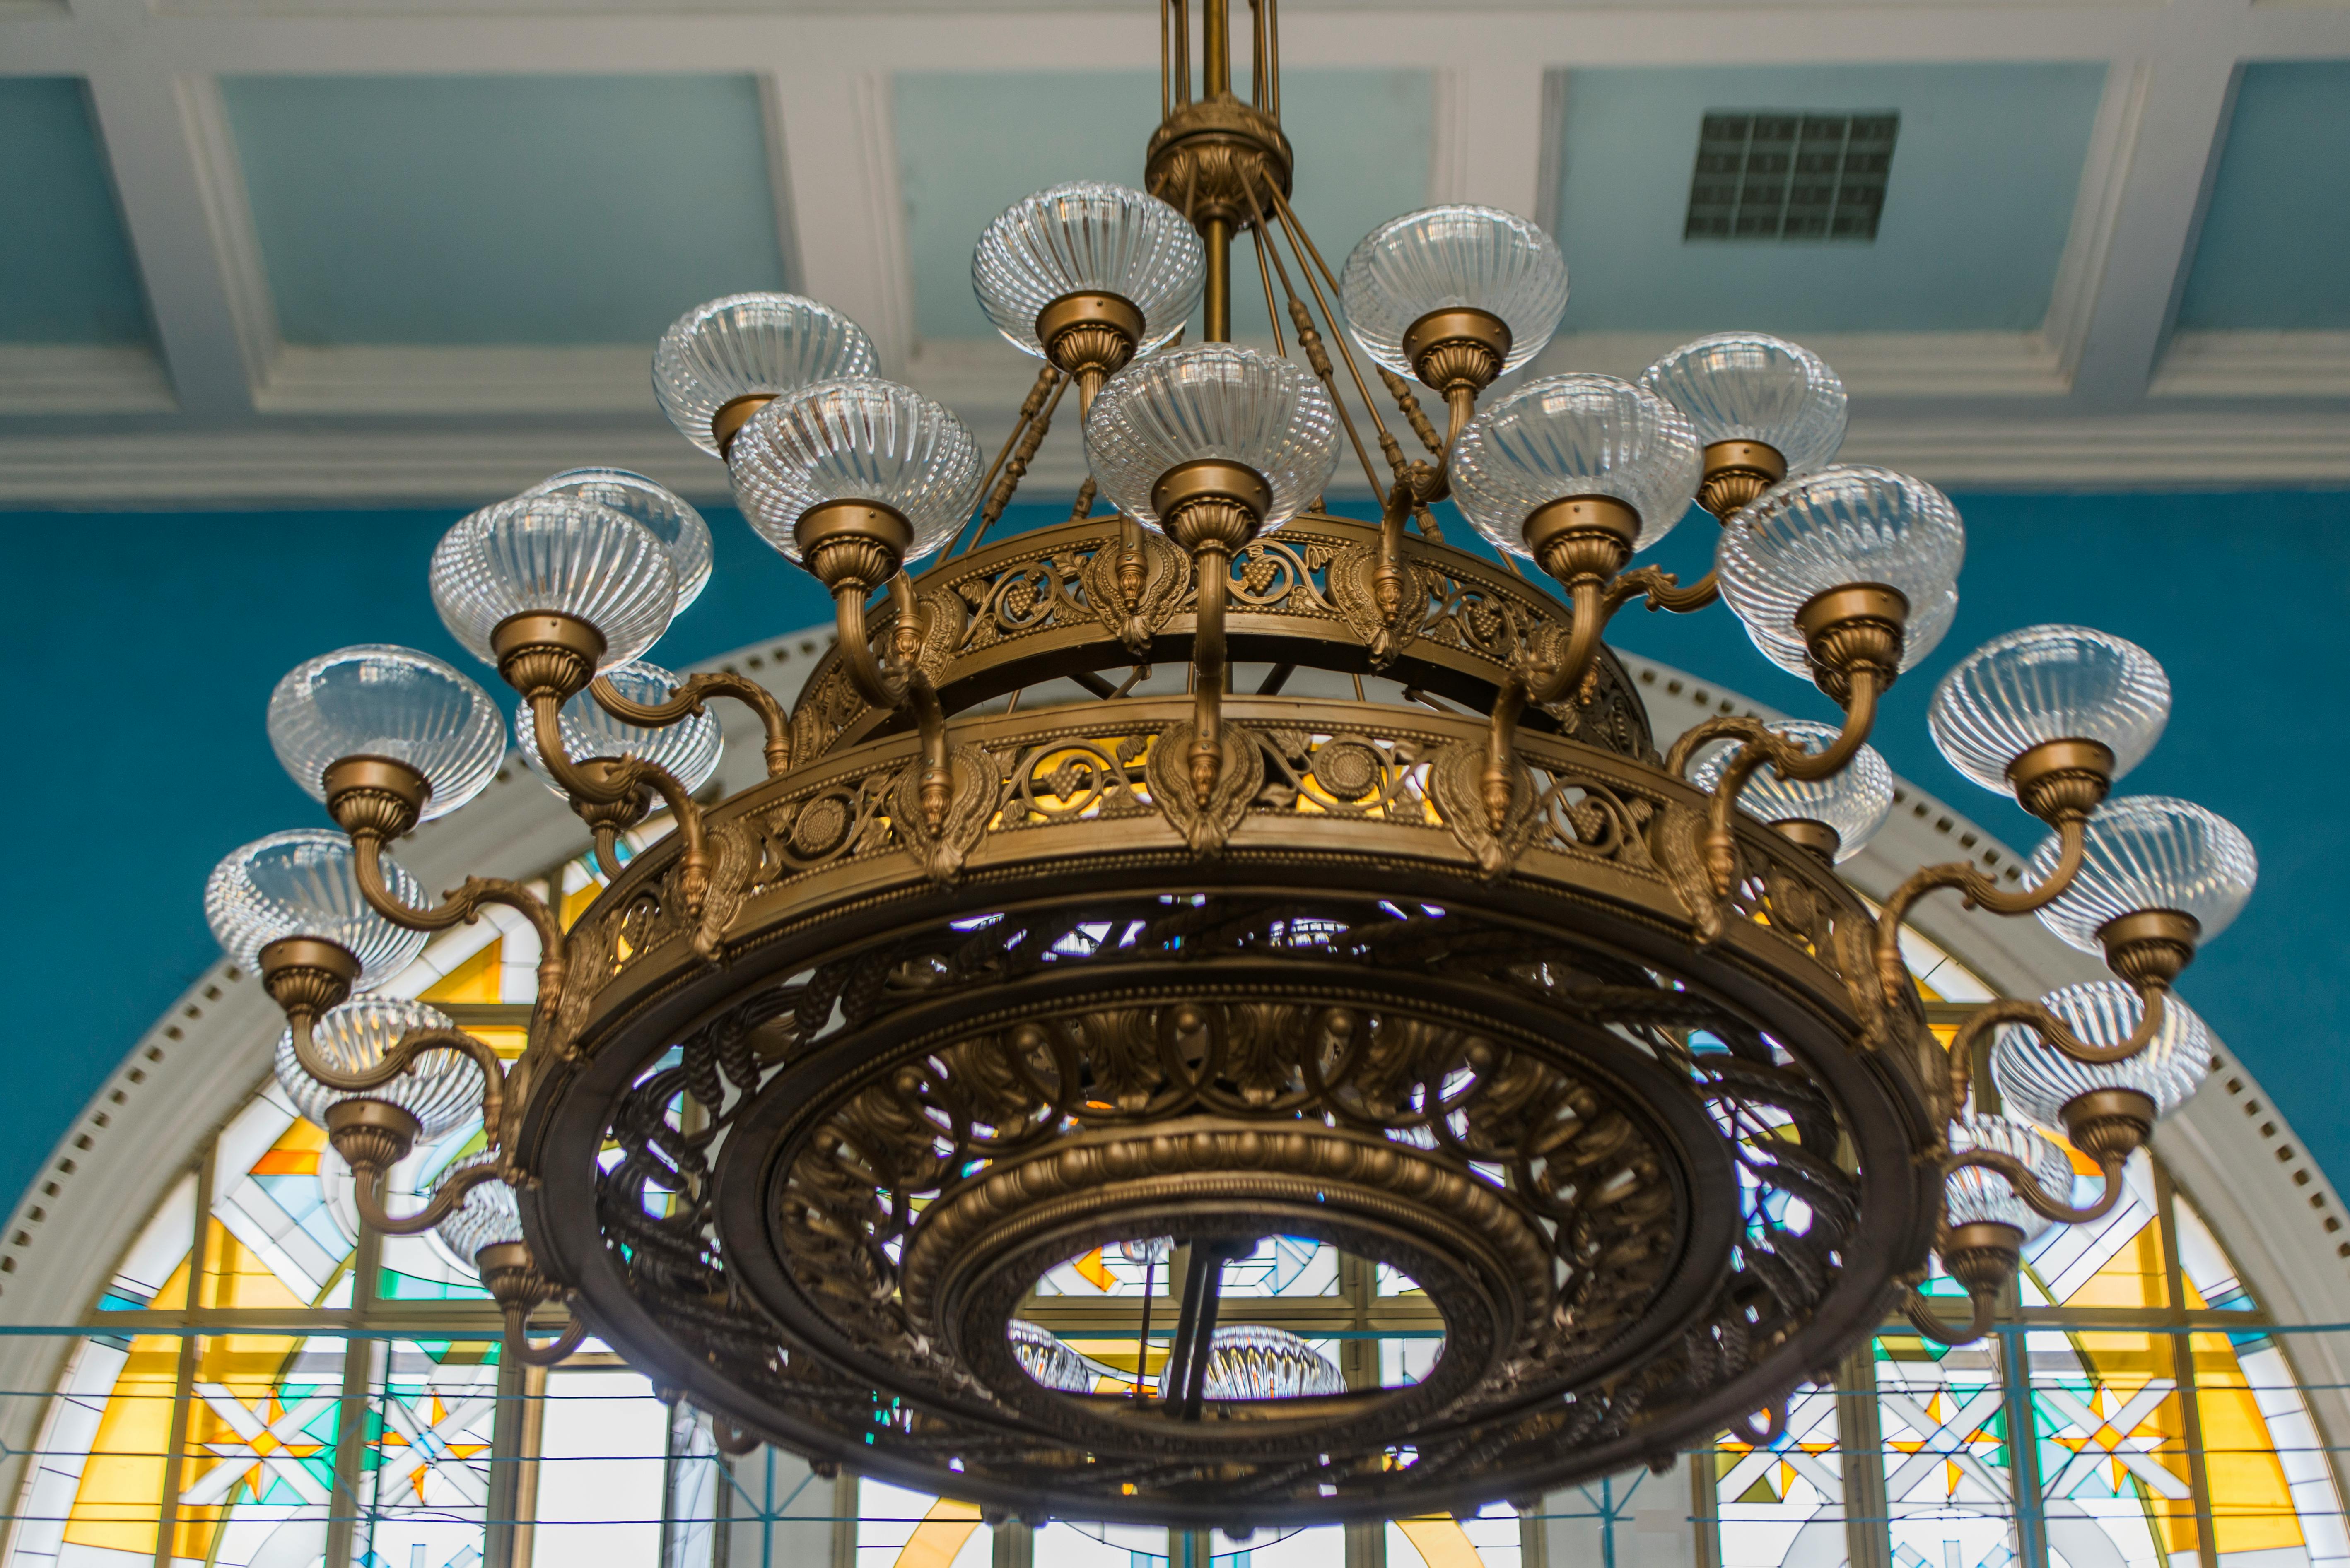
<point x="296" y="1152"/>
<point x="475" y="980"/>
<point x="233" y="1277"/>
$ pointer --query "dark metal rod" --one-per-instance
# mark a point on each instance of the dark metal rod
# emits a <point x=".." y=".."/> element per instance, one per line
<point x="1277" y="679"/>
<point x="1204" y="1332"/>
<point x="1094" y="683"/>
<point x="1175" y="1372"/>
<point x="1142" y="1340"/>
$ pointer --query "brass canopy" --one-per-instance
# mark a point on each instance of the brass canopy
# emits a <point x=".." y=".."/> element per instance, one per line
<point x="1089" y="334"/>
<point x="545" y="653"/>
<point x="1586" y="537"/>
<point x="381" y="797"/>
<point x="1848" y="627"/>
<point x="852" y="546"/>
<point x="733" y="415"/>
<point x="1208" y="155"/>
<point x="371" y="1135"/>
<point x="1736" y="471"/>
<point x="1458" y="349"/>
<point x="2150" y="945"/>
<point x="2108" y="1122"/>
<point x="1212" y="501"/>
<point x="2060" y="780"/>
<point x="1816" y="837"/>
<point x="308" y="975"/>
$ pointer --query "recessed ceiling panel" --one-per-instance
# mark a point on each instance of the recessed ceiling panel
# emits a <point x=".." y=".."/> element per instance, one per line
<point x="66" y="271"/>
<point x="1977" y="202"/>
<point x="970" y="144"/>
<point x="2277" y="226"/>
<point x="480" y="209"/>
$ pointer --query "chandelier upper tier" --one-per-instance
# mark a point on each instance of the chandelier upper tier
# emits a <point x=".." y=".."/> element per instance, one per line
<point x="1412" y="949"/>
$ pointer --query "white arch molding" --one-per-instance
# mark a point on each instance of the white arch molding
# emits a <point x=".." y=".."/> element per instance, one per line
<point x="2230" y="1149"/>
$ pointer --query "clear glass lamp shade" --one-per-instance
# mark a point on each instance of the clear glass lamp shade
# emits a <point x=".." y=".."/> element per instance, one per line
<point x="679" y="528"/>
<point x="746" y="344"/>
<point x="1575" y="435"/>
<point x="689" y="748"/>
<point x="304" y="883"/>
<point x="1974" y="1195"/>
<point x="1088" y="237"/>
<point x="1750" y="386"/>
<point x="1042" y="1356"/>
<point x="857" y="438"/>
<point x="1839" y="526"/>
<point x="561" y="553"/>
<point x="2038" y="1080"/>
<point x="1213" y="399"/>
<point x="486" y="1217"/>
<point x="442" y="1091"/>
<point x="2048" y="683"/>
<point x="376" y="701"/>
<point x="1445" y="257"/>
<point x="2151" y="852"/>
<point x="1855" y="801"/>
<point x="1246" y="1361"/>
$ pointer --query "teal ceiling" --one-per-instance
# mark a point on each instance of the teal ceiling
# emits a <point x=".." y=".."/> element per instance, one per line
<point x="971" y="144"/>
<point x="66" y="272"/>
<point x="480" y="209"/>
<point x="2277" y="226"/>
<point x="1985" y="176"/>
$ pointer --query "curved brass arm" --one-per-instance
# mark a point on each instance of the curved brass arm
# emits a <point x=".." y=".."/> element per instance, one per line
<point x="401" y="1058"/>
<point x="1789" y="761"/>
<point x="1664" y="591"/>
<point x="2051" y="1028"/>
<point x="443" y="1203"/>
<point x="873" y="681"/>
<point x="692" y="697"/>
<point x="1927" y="1321"/>
<point x="2027" y="1187"/>
<point x="465" y="906"/>
<point x="899" y="683"/>
<point x="518" y="1342"/>
<point x="1981" y="892"/>
<point x="623" y="778"/>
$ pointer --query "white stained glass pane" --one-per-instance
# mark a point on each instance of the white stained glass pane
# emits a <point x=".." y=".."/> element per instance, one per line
<point x="1320" y="1547"/>
<point x="599" y="1473"/>
<point x="1948" y="1476"/>
<point x="426" y="1493"/>
<point x="896" y="1527"/>
<point x="1784" y="1504"/>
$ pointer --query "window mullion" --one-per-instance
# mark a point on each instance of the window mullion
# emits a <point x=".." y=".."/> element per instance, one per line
<point x="1860" y="1437"/>
<point x="2182" y="1364"/>
<point x="350" y="1421"/>
<point x="167" y="1507"/>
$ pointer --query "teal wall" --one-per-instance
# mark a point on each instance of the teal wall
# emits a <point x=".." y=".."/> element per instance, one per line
<point x="216" y="605"/>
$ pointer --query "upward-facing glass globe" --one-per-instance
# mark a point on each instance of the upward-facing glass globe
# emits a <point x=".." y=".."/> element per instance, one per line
<point x="1446" y="257"/>
<point x="1855" y="800"/>
<point x="487" y="1216"/>
<point x="1974" y="1195"/>
<point x="751" y="345"/>
<point x="2039" y="1081"/>
<point x="679" y="528"/>
<point x="2048" y="683"/>
<point x="1750" y="386"/>
<point x="554" y="554"/>
<point x="376" y="701"/>
<point x="2151" y="852"/>
<point x="441" y="1090"/>
<point x="1249" y="1361"/>
<point x="1575" y="435"/>
<point x="1088" y="237"/>
<point x="688" y="749"/>
<point x="856" y="439"/>
<point x="1042" y="1356"/>
<point x="1836" y="528"/>
<point x="1213" y="400"/>
<point x="304" y="883"/>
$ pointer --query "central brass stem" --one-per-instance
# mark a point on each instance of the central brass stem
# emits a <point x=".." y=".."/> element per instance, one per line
<point x="1217" y="299"/>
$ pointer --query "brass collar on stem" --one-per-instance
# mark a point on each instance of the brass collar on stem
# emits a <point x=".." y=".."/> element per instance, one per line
<point x="2149" y="947"/>
<point x="1460" y="348"/>
<point x="546" y="653"/>
<point x="380" y="796"/>
<point x="308" y="975"/>
<point x="1817" y="837"/>
<point x="852" y="544"/>
<point x="1091" y="336"/>
<point x="733" y="415"/>
<point x="2057" y="779"/>
<point x="371" y="1135"/>
<point x="1982" y="1255"/>
<point x="1585" y="538"/>
<point x="1736" y="471"/>
<point x="1212" y="501"/>
<point x="2108" y="1122"/>
<point x="1848" y="627"/>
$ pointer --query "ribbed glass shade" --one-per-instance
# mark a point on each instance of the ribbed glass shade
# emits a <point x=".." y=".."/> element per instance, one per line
<point x="1978" y="1197"/>
<point x="1449" y="256"/>
<point x="1575" y="435"/>
<point x="560" y="553"/>
<point x="1855" y="801"/>
<point x="689" y="748"/>
<point x="1088" y="236"/>
<point x="304" y="883"/>
<point x="1750" y="386"/>
<point x="2048" y="683"/>
<point x="1044" y="1357"/>
<point x="376" y="701"/>
<point x="679" y="528"/>
<point x="747" y="344"/>
<point x="1248" y="1362"/>
<point x="486" y="1217"/>
<point x="857" y="438"/>
<point x="1214" y="399"/>
<point x="2151" y="852"/>
<point x="1838" y="526"/>
<point x="2038" y="1080"/>
<point x="441" y="1092"/>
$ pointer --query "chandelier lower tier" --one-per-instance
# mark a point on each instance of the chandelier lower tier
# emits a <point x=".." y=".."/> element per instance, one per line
<point x="1414" y="952"/>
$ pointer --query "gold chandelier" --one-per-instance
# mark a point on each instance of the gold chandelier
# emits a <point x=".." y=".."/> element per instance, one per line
<point x="1433" y="959"/>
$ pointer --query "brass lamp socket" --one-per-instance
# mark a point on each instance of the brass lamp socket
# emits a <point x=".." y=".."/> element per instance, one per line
<point x="511" y="1275"/>
<point x="371" y="1135"/>
<point x="1460" y="349"/>
<point x="542" y="653"/>
<point x="2151" y="945"/>
<point x="2063" y="780"/>
<point x="1582" y="537"/>
<point x="1090" y="333"/>
<point x="379" y="797"/>
<point x="1736" y="471"/>
<point x="1848" y="627"/>
<point x="1816" y="837"/>
<point x="306" y="976"/>
<point x="1212" y="502"/>
<point x="732" y="416"/>
<point x="2108" y="1122"/>
<point x="852" y="546"/>
<point x="1982" y="1255"/>
<point x="615" y="815"/>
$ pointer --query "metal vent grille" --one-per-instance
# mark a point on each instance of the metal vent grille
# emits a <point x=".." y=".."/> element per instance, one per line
<point x="1780" y="174"/>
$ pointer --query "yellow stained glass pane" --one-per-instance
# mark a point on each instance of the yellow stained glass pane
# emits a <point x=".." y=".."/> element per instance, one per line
<point x="234" y="1277"/>
<point x="2132" y="1276"/>
<point x="475" y="980"/>
<point x="115" y="1507"/>
<point x="2253" y="1507"/>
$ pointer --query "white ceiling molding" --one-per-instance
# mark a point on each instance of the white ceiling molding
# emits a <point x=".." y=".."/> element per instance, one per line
<point x="82" y="378"/>
<point x="595" y="378"/>
<point x="2255" y="365"/>
<point x="1873" y="365"/>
